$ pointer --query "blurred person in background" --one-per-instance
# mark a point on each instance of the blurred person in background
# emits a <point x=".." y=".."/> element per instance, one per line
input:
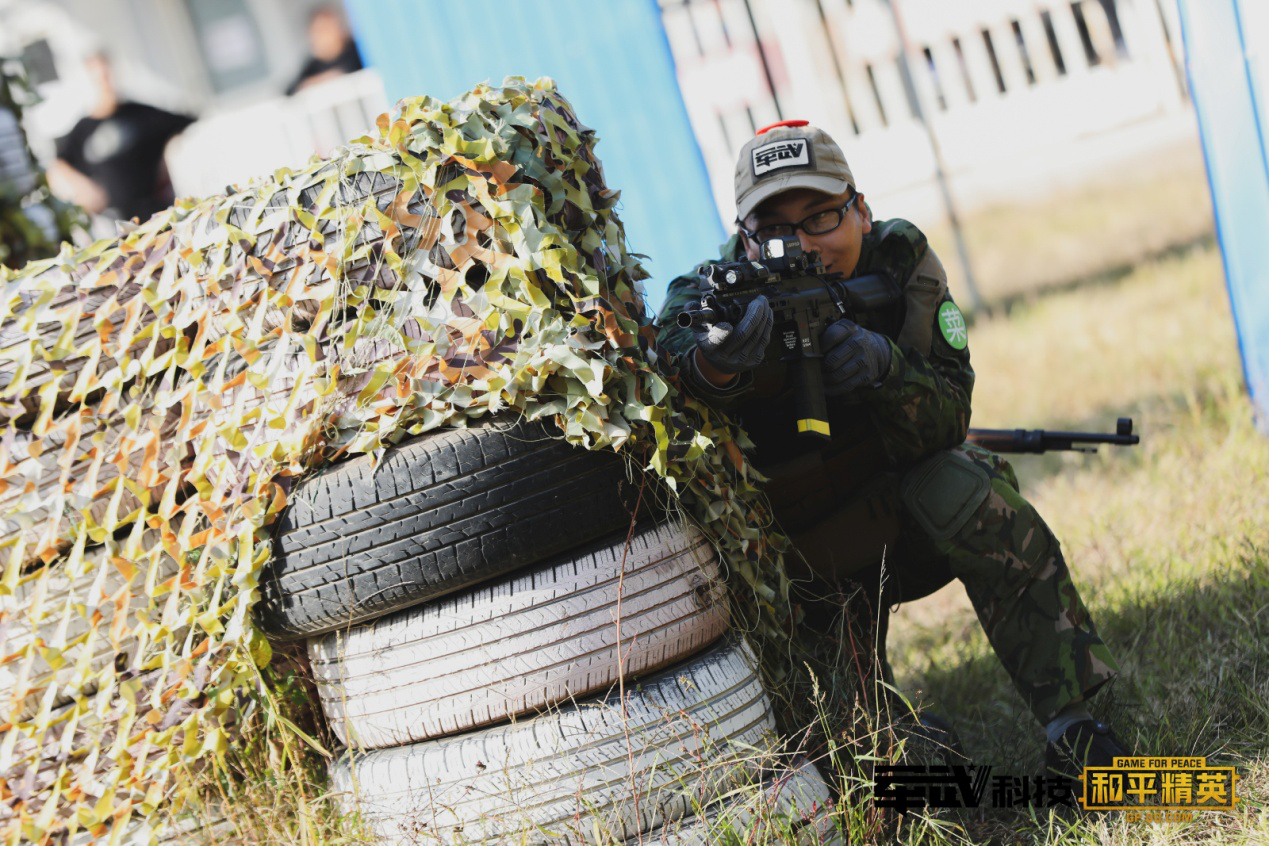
<point x="111" y="162"/>
<point x="332" y="51"/>
<point x="893" y="504"/>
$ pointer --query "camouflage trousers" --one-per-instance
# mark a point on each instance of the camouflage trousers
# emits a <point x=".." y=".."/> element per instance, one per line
<point x="961" y="516"/>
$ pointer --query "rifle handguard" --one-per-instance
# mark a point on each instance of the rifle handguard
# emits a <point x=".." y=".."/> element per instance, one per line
<point x="805" y="299"/>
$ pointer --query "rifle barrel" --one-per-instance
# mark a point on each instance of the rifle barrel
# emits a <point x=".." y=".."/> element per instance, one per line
<point x="699" y="315"/>
<point x="1039" y="440"/>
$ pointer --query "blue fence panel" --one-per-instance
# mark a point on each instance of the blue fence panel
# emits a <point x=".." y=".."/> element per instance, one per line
<point x="611" y="59"/>
<point x="1225" y="59"/>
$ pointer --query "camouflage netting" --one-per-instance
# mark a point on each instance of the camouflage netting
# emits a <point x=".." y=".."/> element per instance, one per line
<point x="160" y="394"/>
<point x="32" y="221"/>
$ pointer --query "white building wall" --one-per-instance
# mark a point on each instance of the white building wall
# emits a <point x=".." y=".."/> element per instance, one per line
<point x="837" y="64"/>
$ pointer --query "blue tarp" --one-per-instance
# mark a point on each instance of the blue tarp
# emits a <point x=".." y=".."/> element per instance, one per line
<point x="1226" y="59"/>
<point x="611" y="59"/>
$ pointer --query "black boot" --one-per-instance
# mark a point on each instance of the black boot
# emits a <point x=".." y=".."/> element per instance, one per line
<point x="1088" y="743"/>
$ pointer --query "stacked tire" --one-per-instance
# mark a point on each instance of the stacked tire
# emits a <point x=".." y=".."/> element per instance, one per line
<point x="513" y="651"/>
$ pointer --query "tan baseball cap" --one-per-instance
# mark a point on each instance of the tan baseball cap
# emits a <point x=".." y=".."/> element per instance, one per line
<point x="789" y="154"/>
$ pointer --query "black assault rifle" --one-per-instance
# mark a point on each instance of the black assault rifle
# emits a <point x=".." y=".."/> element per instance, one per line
<point x="805" y="300"/>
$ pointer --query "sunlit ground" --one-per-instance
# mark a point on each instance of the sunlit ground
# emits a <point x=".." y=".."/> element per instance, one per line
<point x="1169" y="541"/>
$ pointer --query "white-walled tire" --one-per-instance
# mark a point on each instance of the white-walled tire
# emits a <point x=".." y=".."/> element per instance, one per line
<point x="524" y="643"/>
<point x="582" y="774"/>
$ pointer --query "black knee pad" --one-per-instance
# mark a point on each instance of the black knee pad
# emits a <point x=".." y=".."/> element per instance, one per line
<point x="943" y="492"/>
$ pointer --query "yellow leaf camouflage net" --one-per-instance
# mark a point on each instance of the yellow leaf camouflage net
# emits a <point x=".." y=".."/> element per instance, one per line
<point x="161" y="392"/>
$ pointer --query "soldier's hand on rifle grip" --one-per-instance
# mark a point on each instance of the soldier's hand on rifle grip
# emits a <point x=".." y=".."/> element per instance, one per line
<point x="854" y="357"/>
<point x="735" y="349"/>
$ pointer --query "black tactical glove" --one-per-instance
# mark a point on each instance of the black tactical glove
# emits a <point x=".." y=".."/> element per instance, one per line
<point x="735" y="349"/>
<point x="854" y="357"/>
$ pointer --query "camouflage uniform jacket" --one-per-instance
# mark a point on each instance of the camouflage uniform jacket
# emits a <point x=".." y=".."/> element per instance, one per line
<point x="921" y="406"/>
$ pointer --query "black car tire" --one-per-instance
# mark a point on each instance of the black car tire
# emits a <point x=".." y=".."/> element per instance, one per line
<point x="441" y="512"/>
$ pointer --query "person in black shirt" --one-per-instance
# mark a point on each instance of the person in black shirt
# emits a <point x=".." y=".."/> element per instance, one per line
<point x="111" y="162"/>
<point x="332" y="51"/>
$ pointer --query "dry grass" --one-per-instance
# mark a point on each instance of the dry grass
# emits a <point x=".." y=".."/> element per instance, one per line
<point x="1168" y="542"/>
<point x="1142" y="208"/>
<point x="1162" y="334"/>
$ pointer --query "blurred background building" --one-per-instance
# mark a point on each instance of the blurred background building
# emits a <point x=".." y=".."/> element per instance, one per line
<point x="1018" y="95"/>
<point x="939" y="106"/>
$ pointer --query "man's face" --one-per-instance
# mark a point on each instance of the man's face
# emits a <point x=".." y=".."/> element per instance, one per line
<point x="327" y="35"/>
<point x="98" y="67"/>
<point x="838" y="249"/>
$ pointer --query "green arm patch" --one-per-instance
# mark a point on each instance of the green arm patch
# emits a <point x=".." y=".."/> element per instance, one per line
<point x="952" y="325"/>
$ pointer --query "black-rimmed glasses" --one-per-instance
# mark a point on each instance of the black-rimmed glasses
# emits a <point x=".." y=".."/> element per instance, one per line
<point x="820" y="223"/>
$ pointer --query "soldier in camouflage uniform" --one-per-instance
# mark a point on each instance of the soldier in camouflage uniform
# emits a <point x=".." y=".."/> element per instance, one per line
<point x="896" y="480"/>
